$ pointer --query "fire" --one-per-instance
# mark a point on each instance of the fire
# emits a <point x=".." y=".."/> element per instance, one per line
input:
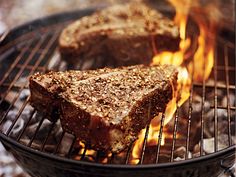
<point x="176" y="58"/>
<point x="151" y="141"/>
<point x="183" y="87"/>
<point x="203" y="59"/>
<point x="90" y="154"/>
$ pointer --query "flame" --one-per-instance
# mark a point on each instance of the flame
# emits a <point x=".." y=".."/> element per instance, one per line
<point x="203" y="59"/>
<point x="151" y="141"/>
<point x="90" y="153"/>
<point x="175" y="58"/>
<point x="153" y="135"/>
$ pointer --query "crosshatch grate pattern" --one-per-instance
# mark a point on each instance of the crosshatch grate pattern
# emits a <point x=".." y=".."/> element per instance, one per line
<point x="34" y="51"/>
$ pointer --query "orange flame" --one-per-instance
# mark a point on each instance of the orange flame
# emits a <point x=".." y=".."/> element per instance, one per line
<point x="151" y="141"/>
<point x="183" y="86"/>
<point x="203" y="62"/>
<point x="90" y="154"/>
<point x="204" y="56"/>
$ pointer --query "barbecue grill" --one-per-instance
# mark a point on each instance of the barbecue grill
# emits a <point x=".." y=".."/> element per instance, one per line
<point x="43" y="149"/>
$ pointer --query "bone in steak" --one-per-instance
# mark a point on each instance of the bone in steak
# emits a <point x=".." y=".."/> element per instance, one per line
<point x="123" y="34"/>
<point x="105" y="108"/>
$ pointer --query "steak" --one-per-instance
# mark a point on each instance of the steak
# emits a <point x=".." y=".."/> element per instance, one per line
<point x="125" y="34"/>
<point x="106" y="108"/>
<point x="45" y="88"/>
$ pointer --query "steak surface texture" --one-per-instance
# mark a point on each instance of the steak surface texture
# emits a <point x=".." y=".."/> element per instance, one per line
<point x="122" y="35"/>
<point x="105" y="108"/>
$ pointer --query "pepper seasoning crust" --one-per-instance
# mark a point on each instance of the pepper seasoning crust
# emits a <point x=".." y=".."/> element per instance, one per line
<point x="126" y="34"/>
<point x="107" y="108"/>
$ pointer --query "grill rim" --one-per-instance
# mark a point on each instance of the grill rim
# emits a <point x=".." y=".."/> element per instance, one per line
<point x="4" y="138"/>
<point x="208" y="157"/>
<point x="42" y="22"/>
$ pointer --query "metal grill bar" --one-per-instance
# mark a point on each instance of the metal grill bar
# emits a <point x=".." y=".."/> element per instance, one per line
<point x="34" y="51"/>
<point x="31" y="72"/>
<point x="44" y="52"/>
<point x="48" y="134"/>
<point x="36" y="131"/>
<point x="14" y="80"/>
<point x="145" y="137"/>
<point x="215" y="105"/>
<point x="71" y="148"/>
<point x="128" y="155"/>
<point x="144" y="144"/>
<point x="160" y="137"/>
<point x="48" y="46"/>
<point x="230" y="68"/>
<point x="14" y="86"/>
<point x="227" y="90"/>
<point x="222" y="107"/>
<point x="17" y="117"/>
<point x="174" y="133"/>
<point x="32" y="34"/>
<point x="203" y="108"/>
<point x="26" y="125"/>
<point x="39" y="68"/>
<point x="232" y="87"/>
<point x="190" y="109"/>
<point x="13" y="65"/>
<point x="59" y="143"/>
<point x="84" y="152"/>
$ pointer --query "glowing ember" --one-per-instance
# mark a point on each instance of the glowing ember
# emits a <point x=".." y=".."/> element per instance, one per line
<point x="203" y="62"/>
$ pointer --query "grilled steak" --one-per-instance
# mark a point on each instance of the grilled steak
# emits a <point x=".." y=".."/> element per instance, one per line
<point x="45" y="88"/>
<point x="105" y="108"/>
<point x="125" y="34"/>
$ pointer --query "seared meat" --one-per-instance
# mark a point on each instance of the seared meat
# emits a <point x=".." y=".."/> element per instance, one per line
<point x="45" y="88"/>
<point x="106" y="108"/>
<point x="125" y="34"/>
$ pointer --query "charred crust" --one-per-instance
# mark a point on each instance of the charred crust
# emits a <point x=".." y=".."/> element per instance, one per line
<point x="123" y="33"/>
<point x="106" y="108"/>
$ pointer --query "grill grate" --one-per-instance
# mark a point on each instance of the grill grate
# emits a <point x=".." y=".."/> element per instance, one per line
<point x="34" y="52"/>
